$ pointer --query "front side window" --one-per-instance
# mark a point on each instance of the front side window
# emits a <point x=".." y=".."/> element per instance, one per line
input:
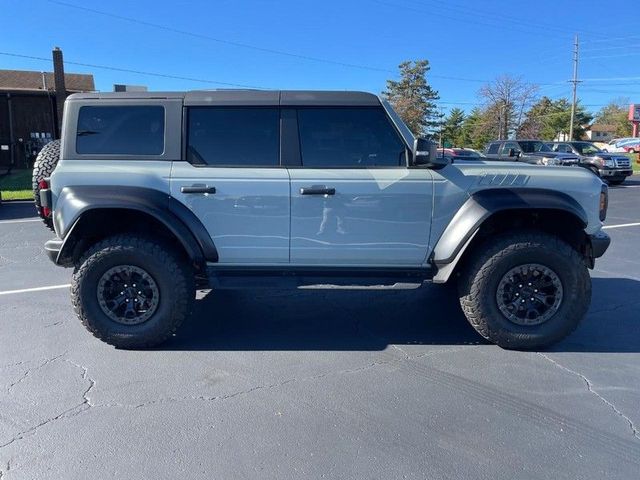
<point x="533" y="147"/>
<point x="120" y="130"/>
<point x="349" y="137"/>
<point x="230" y="136"/>
<point x="509" y="146"/>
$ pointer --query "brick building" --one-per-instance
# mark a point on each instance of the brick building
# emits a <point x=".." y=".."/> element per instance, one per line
<point x="29" y="112"/>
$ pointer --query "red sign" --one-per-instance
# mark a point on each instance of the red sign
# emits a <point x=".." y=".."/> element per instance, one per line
<point x="634" y="113"/>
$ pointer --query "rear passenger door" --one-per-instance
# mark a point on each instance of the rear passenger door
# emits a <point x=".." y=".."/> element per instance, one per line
<point x="232" y="180"/>
<point x="354" y="201"/>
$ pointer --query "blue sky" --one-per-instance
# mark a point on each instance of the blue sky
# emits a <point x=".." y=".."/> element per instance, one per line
<point x="348" y="44"/>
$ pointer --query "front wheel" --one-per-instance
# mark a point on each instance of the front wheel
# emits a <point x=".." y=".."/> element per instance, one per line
<point x="132" y="292"/>
<point x="525" y="290"/>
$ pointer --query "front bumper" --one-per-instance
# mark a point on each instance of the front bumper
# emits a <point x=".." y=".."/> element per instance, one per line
<point x="615" y="172"/>
<point x="53" y="248"/>
<point x="599" y="241"/>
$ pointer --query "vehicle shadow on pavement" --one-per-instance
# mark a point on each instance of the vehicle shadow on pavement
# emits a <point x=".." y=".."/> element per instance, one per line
<point x="613" y="322"/>
<point x="372" y="320"/>
<point x="629" y="182"/>
<point x="324" y="320"/>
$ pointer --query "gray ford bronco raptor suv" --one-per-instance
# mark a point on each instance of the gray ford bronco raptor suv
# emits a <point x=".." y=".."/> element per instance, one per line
<point x="155" y="195"/>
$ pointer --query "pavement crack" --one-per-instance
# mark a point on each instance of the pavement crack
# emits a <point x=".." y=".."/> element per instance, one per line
<point x="85" y="376"/>
<point x="590" y="388"/>
<point x="390" y="360"/>
<point x="70" y="412"/>
<point x="77" y="409"/>
<point x="26" y="374"/>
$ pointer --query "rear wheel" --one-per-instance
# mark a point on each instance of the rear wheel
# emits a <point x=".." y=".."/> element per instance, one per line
<point x="132" y="292"/>
<point x="43" y="167"/>
<point x="525" y="290"/>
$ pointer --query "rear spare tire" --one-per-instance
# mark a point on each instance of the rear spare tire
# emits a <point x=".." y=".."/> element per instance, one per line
<point x="43" y="167"/>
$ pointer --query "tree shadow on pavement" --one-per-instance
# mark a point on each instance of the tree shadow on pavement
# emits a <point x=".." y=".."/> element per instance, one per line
<point x="335" y="319"/>
<point x="17" y="210"/>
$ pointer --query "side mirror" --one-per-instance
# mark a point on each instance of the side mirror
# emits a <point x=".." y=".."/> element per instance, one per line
<point x="425" y="152"/>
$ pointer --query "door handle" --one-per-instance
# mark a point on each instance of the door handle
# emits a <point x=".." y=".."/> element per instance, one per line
<point x="198" y="189"/>
<point x="317" y="190"/>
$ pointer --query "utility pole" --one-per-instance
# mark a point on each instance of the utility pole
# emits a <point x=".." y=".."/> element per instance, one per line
<point x="575" y="82"/>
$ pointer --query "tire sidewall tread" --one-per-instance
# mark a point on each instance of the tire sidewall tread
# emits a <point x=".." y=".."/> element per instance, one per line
<point x="171" y="273"/>
<point x="478" y="286"/>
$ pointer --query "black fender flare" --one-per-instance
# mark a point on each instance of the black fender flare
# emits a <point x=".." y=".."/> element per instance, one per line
<point x="75" y="201"/>
<point x="483" y="204"/>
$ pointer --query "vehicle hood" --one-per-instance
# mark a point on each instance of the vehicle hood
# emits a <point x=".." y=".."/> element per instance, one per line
<point x="550" y="154"/>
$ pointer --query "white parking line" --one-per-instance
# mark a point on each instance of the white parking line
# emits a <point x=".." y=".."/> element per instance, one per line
<point x="36" y="289"/>
<point x="622" y="225"/>
<point x="24" y="220"/>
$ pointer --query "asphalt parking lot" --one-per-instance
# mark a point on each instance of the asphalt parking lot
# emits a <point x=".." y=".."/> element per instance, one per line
<point x="317" y="383"/>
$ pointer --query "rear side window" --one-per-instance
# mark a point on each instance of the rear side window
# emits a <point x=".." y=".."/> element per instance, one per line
<point x="120" y="130"/>
<point x="493" y="148"/>
<point x="222" y="136"/>
<point x="348" y="138"/>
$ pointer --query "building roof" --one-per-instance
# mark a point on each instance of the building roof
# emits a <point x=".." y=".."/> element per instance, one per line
<point x="32" y="81"/>
<point x="602" y="127"/>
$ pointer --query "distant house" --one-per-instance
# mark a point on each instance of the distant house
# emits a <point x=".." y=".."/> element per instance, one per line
<point x="600" y="132"/>
<point x="28" y="111"/>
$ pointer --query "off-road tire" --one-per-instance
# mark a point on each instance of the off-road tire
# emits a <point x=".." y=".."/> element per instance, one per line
<point x="492" y="259"/>
<point x="43" y="167"/>
<point x="173" y="275"/>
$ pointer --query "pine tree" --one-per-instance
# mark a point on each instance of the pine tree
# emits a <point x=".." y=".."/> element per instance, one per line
<point x="414" y="99"/>
<point x="452" y="128"/>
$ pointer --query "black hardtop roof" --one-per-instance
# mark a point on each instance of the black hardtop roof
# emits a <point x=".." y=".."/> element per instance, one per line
<point x="247" y="97"/>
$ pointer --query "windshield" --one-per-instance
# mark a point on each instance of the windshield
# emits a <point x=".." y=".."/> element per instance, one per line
<point x="533" y="147"/>
<point x="586" y="148"/>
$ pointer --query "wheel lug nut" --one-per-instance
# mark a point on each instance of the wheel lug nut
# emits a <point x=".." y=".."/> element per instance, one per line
<point x="517" y="294"/>
<point x="532" y="299"/>
<point x="535" y="290"/>
<point x="519" y="286"/>
<point x="139" y="293"/>
<point x="529" y="284"/>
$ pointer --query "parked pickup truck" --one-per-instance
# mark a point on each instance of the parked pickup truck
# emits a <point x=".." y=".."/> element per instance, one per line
<point x="156" y="195"/>
<point x="611" y="167"/>
<point x="528" y="151"/>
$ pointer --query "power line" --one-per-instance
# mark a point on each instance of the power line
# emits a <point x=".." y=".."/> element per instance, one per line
<point x="456" y="16"/>
<point x="459" y="9"/>
<point x="138" y="72"/>
<point x="604" y="40"/>
<point x="252" y="47"/>
<point x="219" y="40"/>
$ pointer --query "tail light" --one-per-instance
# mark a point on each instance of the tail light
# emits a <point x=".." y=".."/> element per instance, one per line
<point x="44" y="185"/>
<point x="604" y="202"/>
